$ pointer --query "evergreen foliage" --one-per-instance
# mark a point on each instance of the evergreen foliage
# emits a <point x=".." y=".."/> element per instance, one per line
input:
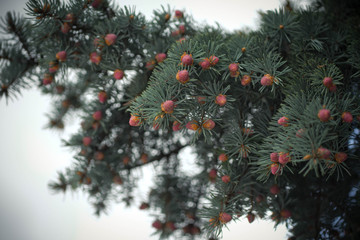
<point x="272" y="115"/>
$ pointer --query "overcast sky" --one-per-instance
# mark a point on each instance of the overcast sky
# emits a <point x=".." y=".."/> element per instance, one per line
<point x="30" y="156"/>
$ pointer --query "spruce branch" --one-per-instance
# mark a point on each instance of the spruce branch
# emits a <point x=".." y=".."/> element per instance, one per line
<point x="271" y="114"/>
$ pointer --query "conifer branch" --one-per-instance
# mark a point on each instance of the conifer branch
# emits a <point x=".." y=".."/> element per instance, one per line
<point x="277" y="105"/>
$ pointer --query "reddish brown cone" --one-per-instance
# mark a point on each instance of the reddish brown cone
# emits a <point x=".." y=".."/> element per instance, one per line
<point x="225" y="217"/>
<point x="324" y="115"/>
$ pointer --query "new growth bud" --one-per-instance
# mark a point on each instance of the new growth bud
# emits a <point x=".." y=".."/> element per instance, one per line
<point x="168" y="106"/>
<point x="110" y="39"/>
<point x="220" y="100"/>
<point x="97" y="116"/>
<point x="134" y="121"/>
<point x="186" y="59"/>
<point x="61" y="56"/>
<point x="324" y="115"/>
<point x="223" y="157"/>
<point x="225" y="217"/>
<point x="160" y="57"/>
<point x="209" y="124"/>
<point x="183" y="76"/>
<point x="267" y="80"/>
<point x="118" y="74"/>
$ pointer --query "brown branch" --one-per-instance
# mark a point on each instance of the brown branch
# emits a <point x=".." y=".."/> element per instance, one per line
<point x="159" y="157"/>
<point x="6" y="58"/>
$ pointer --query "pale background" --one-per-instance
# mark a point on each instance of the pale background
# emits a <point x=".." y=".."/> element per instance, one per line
<point x="30" y="156"/>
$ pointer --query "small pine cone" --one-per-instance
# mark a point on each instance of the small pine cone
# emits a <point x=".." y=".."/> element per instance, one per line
<point x="178" y="14"/>
<point x="95" y="58"/>
<point x="324" y="115"/>
<point x="110" y="39"/>
<point x="160" y="57"/>
<point x="176" y="126"/>
<point x="267" y="80"/>
<point x="225" y="217"/>
<point x="285" y="213"/>
<point x="205" y="64"/>
<point x="186" y="59"/>
<point x="97" y="116"/>
<point x="102" y="96"/>
<point x="328" y="82"/>
<point x="323" y="153"/>
<point x="346" y="117"/>
<point x="117" y="180"/>
<point x="283" y="121"/>
<point x="208" y="124"/>
<point x="245" y="80"/>
<point x="233" y="67"/>
<point x="134" y="121"/>
<point x="183" y="76"/>
<point x="118" y="74"/>
<point x="223" y="157"/>
<point x="274" y="189"/>
<point x="192" y="125"/>
<point x="168" y="106"/>
<point x="250" y="217"/>
<point x="284" y="158"/>
<point x="340" y="157"/>
<point x="274" y="157"/>
<point x="157" y="225"/>
<point x="213" y="60"/>
<point x="274" y="168"/>
<point x="220" y="100"/>
<point x="226" y="178"/>
<point x="61" y="56"/>
<point x="87" y="141"/>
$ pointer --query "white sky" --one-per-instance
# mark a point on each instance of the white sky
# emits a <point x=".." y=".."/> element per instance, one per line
<point x="30" y="156"/>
